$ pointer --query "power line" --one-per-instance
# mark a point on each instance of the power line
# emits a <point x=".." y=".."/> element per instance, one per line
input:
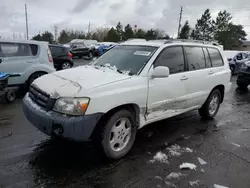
<point x="179" y="26"/>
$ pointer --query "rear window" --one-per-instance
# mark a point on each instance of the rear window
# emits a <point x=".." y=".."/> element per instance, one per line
<point x="215" y="57"/>
<point x="56" y="50"/>
<point x="17" y="50"/>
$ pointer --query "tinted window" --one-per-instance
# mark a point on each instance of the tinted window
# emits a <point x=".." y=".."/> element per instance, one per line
<point x="215" y="57"/>
<point x="172" y="58"/>
<point x="17" y="50"/>
<point x="56" y="50"/>
<point x="207" y="58"/>
<point x="195" y="58"/>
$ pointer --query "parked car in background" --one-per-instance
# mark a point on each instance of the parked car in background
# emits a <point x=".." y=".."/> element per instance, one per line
<point x="82" y="48"/>
<point x="243" y="80"/>
<point x="131" y="86"/>
<point x="235" y="59"/>
<point x="62" y="57"/>
<point x="29" y="59"/>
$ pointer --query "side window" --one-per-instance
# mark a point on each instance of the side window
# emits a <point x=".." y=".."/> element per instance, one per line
<point x="17" y="50"/>
<point x="172" y="58"/>
<point x="195" y="58"/>
<point x="207" y="58"/>
<point x="215" y="57"/>
<point x="8" y="49"/>
<point x="55" y="50"/>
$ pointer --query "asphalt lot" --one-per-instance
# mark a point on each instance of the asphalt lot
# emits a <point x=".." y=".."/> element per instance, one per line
<point x="28" y="158"/>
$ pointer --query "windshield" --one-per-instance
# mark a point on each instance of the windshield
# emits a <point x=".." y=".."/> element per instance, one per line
<point x="126" y="58"/>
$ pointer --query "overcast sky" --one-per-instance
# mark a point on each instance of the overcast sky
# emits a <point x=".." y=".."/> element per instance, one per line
<point x="76" y="14"/>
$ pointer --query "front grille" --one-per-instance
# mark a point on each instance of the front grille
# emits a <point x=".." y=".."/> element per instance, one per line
<point x="41" y="98"/>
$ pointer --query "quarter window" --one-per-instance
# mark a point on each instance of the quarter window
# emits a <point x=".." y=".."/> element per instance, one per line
<point x="172" y="58"/>
<point x="195" y="58"/>
<point x="215" y="57"/>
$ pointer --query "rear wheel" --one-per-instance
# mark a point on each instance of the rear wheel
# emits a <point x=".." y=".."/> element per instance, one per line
<point x="118" y="134"/>
<point x="211" y="106"/>
<point x="66" y="65"/>
<point x="10" y="96"/>
<point x="91" y="55"/>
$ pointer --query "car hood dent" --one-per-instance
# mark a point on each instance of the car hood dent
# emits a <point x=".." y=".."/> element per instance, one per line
<point x="68" y="83"/>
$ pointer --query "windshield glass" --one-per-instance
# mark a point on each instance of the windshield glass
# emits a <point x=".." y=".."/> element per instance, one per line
<point x="126" y="58"/>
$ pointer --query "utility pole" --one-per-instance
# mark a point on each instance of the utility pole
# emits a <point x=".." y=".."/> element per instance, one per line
<point x="56" y="32"/>
<point x="89" y="28"/>
<point x="179" y="26"/>
<point x="26" y="18"/>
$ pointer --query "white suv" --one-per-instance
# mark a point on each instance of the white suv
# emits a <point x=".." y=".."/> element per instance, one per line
<point x="28" y="59"/>
<point x="132" y="85"/>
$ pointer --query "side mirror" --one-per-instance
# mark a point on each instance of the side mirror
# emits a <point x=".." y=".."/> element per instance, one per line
<point x="160" y="72"/>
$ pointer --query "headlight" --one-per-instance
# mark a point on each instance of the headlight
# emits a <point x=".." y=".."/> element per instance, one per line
<point x="71" y="106"/>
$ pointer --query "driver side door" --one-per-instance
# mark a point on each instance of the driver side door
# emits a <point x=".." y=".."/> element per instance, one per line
<point x="167" y="97"/>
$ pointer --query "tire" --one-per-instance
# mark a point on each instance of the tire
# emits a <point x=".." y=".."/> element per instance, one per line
<point x="110" y="138"/>
<point x="242" y="85"/>
<point x="209" y="110"/>
<point x="35" y="76"/>
<point x="90" y="55"/>
<point x="10" y="96"/>
<point x="65" y="65"/>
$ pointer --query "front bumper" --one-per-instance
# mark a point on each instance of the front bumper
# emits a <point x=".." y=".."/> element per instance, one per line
<point x="243" y="77"/>
<point x="74" y="128"/>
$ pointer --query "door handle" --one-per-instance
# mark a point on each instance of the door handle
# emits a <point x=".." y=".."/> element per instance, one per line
<point x="28" y="62"/>
<point x="211" y="72"/>
<point x="184" y="78"/>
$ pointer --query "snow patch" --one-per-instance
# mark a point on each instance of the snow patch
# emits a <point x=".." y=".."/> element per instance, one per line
<point x="188" y="166"/>
<point x="158" y="177"/>
<point x="237" y="145"/>
<point x="177" y="151"/>
<point x="170" y="184"/>
<point x="195" y="183"/>
<point x="174" y="175"/>
<point x="160" y="157"/>
<point x="219" y="186"/>
<point x="201" y="161"/>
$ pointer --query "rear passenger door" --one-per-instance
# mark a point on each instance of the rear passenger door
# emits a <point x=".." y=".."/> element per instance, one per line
<point x="199" y="77"/>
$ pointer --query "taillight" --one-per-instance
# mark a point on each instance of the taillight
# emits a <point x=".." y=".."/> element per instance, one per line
<point x="70" y="55"/>
<point x="49" y="56"/>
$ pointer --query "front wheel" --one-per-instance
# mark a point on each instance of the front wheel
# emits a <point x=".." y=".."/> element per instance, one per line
<point x="242" y="85"/>
<point x="211" y="106"/>
<point x="35" y="76"/>
<point x="10" y="96"/>
<point x="118" y="135"/>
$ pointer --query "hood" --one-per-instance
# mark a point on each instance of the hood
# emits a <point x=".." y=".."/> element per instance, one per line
<point x="68" y="83"/>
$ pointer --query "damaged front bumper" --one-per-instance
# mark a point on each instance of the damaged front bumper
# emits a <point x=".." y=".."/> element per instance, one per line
<point x="76" y="128"/>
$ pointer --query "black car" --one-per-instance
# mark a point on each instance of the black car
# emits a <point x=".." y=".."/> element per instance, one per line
<point x="81" y="50"/>
<point x="62" y="58"/>
<point x="243" y="79"/>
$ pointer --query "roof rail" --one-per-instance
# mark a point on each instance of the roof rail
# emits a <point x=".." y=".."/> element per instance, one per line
<point x="193" y="41"/>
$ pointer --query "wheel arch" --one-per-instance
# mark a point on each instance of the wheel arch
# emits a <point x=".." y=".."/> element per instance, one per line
<point x="132" y="107"/>
<point x="221" y="88"/>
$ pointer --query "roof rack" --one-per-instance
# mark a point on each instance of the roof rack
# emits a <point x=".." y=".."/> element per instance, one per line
<point x="193" y="41"/>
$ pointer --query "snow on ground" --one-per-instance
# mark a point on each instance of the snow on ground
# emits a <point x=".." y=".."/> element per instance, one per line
<point x="160" y="157"/>
<point x="237" y="145"/>
<point x="188" y="166"/>
<point x="175" y="175"/>
<point x="177" y="151"/>
<point x="195" y="183"/>
<point x="219" y="186"/>
<point x="201" y="161"/>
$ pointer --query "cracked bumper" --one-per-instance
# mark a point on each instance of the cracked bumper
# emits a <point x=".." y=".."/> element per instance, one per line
<point x="76" y="128"/>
